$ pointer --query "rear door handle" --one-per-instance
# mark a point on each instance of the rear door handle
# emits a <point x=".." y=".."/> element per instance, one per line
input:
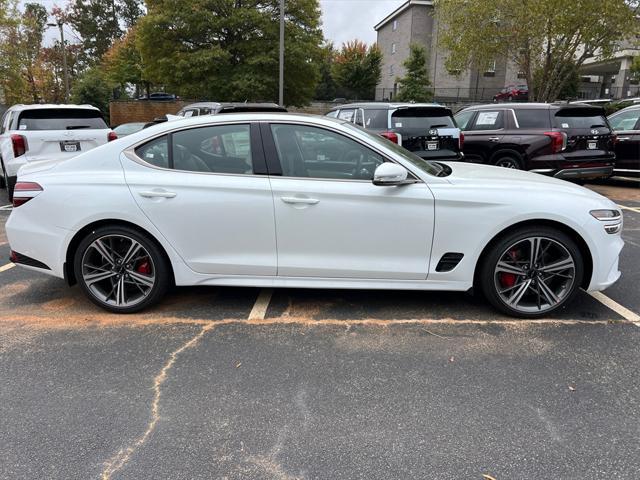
<point x="305" y="201"/>
<point x="624" y="139"/>
<point x="494" y="139"/>
<point x="157" y="194"/>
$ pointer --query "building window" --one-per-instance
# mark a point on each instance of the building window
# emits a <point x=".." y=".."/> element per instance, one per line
<point x="395" y="25"/>
<point x="491" y="69"/>
<point x="390" y="70"/>
<point x="522" y="75"/>
<point x="454" y="72"/>
<point x="393" y="48"/>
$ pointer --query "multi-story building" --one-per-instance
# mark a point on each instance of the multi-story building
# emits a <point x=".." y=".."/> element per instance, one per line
<point x="414" y="22"/>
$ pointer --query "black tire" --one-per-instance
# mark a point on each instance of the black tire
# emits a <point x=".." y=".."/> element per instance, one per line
<point x="161" y="268"/>
<point x="3" y="177"/>
<point x="508" y="160"/>
<point x="488" y="285"/>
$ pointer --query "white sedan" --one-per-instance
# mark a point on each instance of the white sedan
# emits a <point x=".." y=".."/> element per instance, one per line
<point x="281" y="200"/>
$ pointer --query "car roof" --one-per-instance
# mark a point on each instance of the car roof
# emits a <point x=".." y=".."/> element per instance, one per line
<point x="627" y="109"/>
<point x="20" y="107"/>
<point x="389" y="105"/>
<point x="231" y="104"/>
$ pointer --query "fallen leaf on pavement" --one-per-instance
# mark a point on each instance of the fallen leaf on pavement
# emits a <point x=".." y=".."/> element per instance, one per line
<point x="238" y="365"/>
<point x="452" y="359"/>
<point x="573" y="389"/>
<point x="488" y="477"/>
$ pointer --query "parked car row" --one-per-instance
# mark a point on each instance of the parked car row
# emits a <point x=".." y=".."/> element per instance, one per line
<point x="567" y="141"/>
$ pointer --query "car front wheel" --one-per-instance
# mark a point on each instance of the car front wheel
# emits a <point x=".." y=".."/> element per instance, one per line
<point x="121" y="270"/>
<point x="532" y="272"/>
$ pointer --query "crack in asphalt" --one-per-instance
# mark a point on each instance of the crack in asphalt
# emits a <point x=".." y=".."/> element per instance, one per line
<point x="119" y="460"/>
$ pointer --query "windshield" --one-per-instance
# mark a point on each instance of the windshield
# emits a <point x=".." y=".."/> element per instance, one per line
<point x="430" y="167"/>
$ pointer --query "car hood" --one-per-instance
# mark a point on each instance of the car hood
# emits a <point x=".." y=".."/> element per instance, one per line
<point x="500" y="178"/>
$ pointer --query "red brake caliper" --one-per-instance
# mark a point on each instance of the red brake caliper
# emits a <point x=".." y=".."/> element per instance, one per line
<point x="144" y="267"/>
<point x="507" y="279"/>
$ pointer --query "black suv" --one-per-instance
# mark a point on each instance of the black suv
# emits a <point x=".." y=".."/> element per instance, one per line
<point x="426" y="129"/>
<point x="564" y="140"/>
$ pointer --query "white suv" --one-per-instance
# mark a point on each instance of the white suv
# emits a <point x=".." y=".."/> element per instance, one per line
<point x="47" y="132"/>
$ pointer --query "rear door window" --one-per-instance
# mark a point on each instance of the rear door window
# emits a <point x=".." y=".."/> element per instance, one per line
<point x="533" y="118"/>
<point x="489" y="120"/>
<point x="347" y="114"/>
<point x="61" y="119"/>
<point x="377" y="119"/>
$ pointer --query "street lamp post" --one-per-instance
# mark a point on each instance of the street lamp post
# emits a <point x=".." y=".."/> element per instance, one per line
<point x="59" y="24"/>
<point x="281" y="76"/>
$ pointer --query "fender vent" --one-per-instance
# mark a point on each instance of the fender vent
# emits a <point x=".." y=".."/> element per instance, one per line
<point x="449" y="261"/>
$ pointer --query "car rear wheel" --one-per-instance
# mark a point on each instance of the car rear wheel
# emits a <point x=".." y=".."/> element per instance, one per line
<point x="532" y="272"/>
<point x="121" y="270"/>
<point x="508" y="161"/>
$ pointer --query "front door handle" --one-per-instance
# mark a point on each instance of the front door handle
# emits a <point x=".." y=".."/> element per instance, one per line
<point x="494" y="139"/>
<point x="624" y="139"/>
<point x="157" y="194"/>
<point x="305" y="200"/>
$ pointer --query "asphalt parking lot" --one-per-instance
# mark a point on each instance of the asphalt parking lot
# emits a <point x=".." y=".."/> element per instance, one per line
<point x="234" y="383"/>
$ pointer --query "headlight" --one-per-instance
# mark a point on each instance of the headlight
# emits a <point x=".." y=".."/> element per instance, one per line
<point x="606" y="215"/>
<point x="612" y="220"/>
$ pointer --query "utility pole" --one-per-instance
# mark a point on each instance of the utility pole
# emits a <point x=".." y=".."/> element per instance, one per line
<point x="281" y="78"/>
<point x="59" y="24"/>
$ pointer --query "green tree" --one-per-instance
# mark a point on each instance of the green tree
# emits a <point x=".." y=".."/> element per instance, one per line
<point x="228" y="49"/>
<point x="122" y="63"/>
<point x="539" y="36"/>
<point x="93" y="88"/>
<point x="356" y="69"/>
<point x="98" y="23"/>
<point x="414" y="86"/>
<point x="327" y="88"/>
<point x="33" y="25"/>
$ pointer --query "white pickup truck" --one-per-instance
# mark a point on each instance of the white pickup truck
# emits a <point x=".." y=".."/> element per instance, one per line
<point x="29" y="133"/>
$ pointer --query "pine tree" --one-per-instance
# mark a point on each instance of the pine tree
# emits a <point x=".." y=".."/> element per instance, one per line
<point x="414" y="86"/>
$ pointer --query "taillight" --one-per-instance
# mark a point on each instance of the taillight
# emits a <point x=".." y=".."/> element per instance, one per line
<point x="390" y="136"/>
<point x="112" y="136"/>
<point x="20" y="146"/>
<point x="25" y="191"/>
<point x="558" y="141"/>
<point x="461" y="141"/>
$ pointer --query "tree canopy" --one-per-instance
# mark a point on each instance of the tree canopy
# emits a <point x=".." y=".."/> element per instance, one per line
<point x="356" y="69"/>
<point x="540" y="36"/>
<point x="228" y="49"/>
<point x="414" y="86"/>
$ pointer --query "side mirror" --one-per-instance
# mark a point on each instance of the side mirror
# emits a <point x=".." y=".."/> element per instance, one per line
<point x="390" y="174"/>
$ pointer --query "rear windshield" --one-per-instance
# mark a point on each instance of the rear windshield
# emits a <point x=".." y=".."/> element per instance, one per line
<point x="583" y="119"/>
<point x="532" y="118"/>
<point x="418" y="120"/>
<point x="61" y="119"/>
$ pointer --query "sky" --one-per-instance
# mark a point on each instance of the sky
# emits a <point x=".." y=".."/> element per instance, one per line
<point x="342" y="20"/>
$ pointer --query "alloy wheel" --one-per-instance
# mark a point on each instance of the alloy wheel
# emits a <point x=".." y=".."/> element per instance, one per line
<point x="534" y="275"/>
<point x="507" y="163"/>
<point x="118" y="271"/>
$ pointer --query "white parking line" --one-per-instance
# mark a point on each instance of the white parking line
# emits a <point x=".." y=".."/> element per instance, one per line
<point x="616" y="307"/>
<point x="631" y="209"/>
<point x="6" y="267"/>
<point x="259" y="310"/>
<point x="6" y="207"/>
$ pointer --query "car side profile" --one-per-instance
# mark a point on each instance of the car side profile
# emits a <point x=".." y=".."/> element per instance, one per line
<point x="626" y="124"/>
<point x="30" y="133"/>
<point x="282" y="200"/>
<point x="512" y="93"/>
<point x="426" y="129"/>
<point x="566" y="141"/>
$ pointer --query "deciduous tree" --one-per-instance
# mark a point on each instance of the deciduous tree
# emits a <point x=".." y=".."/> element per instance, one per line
<point x="356" y="69"/>
<point x="539" y="36"/>
<point x="228" y="49"/>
